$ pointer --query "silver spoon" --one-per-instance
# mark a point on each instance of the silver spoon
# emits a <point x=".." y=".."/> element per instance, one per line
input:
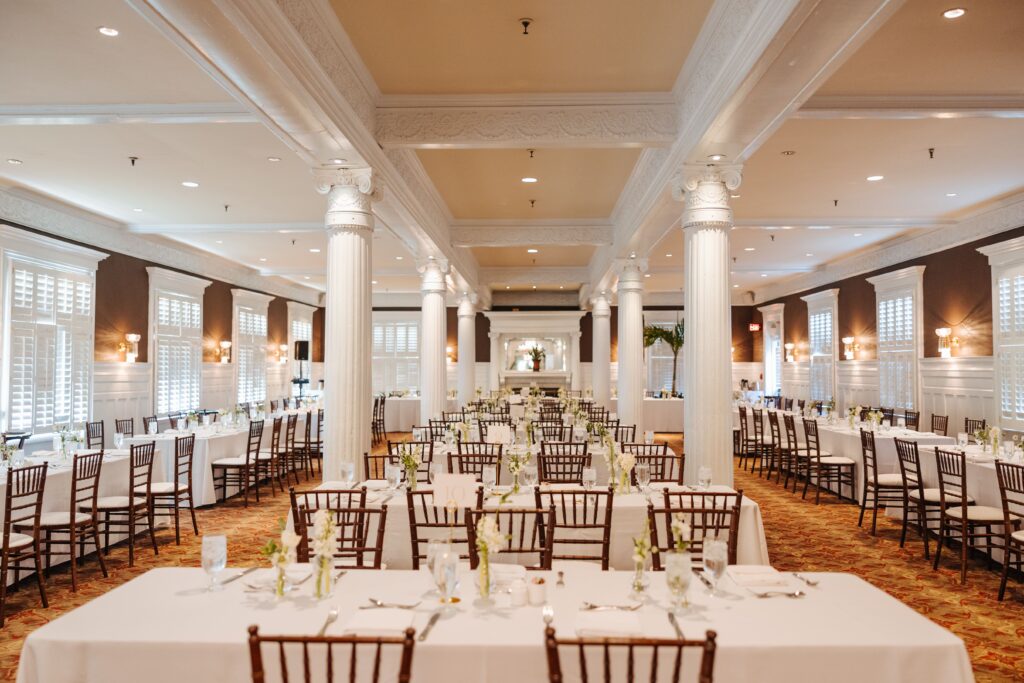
<point x="332" y="617"/>
<point x="810" y="582"/>
<point x="625" y="608"/>
<point x="548" y="614"/>
<point x="374" y="602"/>
<point x="788" y="594"/>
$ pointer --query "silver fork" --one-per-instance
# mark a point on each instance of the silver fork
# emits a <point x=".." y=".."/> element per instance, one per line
<point x="589" y="606"/>
<point x="375" y="603"/>
<point x="787" y="594"/>
<point x="810" y="582"/>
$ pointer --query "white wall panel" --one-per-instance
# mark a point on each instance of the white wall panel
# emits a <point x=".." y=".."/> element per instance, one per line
<point x="218" y="386"/>
<point x="796" y="380"/>
<point x="857" y="382"/>
<point x="959" y="388"/>
<point x="121" y="390"/>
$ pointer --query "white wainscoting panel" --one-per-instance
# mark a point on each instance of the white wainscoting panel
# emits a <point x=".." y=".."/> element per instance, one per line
<point x="796" y="380"/>
<point x="959" y="388"/>
<point x="857" y="382"/>
<point x="279" y="380"/>
<point x="752" y="372"/>
<point x="121" y="390"/>
<point x="218" y="386"/>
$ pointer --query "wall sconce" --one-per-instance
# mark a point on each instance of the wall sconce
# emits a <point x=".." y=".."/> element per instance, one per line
<point x="282" y="354"/>
<point x="946" y="342"/>
<point x="850" y="347"/>
<point x="450" y="354"/>
<point x="789" y="346"/>
<point x="225" y="351"/>
<point x="130" y="347"/>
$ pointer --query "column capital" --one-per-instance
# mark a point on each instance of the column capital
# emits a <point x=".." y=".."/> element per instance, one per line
<point x="601" y="307"/>
<point x="350" y="195"/>
<point x="631" y="274"/>
<point x="705" y="191"/>
<point x="433" y="272"/>
<point x="467" y="305"/>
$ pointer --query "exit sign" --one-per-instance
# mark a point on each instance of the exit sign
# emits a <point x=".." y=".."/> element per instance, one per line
<point x="754" y="327"/>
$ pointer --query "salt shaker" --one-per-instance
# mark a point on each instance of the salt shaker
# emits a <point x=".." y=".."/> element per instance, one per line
<point x="538" y="590"/>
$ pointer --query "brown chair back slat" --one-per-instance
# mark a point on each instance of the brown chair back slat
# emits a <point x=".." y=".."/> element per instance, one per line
<point x="580" y="516"/>
<point x="425" y="450"/>
<point x="940" y="424"/>
<point x="359" y="536"/>
<point x="125" y="427"/>
<point x="527" y="531"/>
<point x="708" y="514"/>
<point x="94" y="434"/>
<point x="428" y="522"/>
<point x="971" y="425"/>
<point x="140" y="473"/>
<point x="562" y="469"/>
<point x="85" y="481"/>
<point x="24" y="499"/>
<point x="184" y="449"/>
<point x="910" y="465"/>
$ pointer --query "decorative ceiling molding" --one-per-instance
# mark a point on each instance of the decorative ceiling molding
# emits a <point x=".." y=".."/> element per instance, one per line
<point x="514" y="233"/>
<point x="912" y="107"/>
<point x="528" y="99"/>
<point x="840" y="223"/>
<point x="88" y="114"/>
<point x="566" y="298"/>
<point x="55" y="218"/>
<point x="623" y="125"/>
<point x="1005" y="215"/>
<point x="206" y="228"/>
<point x="533" y="275"/>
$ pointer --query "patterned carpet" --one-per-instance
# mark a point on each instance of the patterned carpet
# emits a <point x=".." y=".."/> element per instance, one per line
<point x="801" y="537"/>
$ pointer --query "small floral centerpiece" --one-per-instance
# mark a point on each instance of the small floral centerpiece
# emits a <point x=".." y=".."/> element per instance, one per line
<point x="516" y="462"/>
<point x="7" y="451"/>
<point x="281" y="553"/>
<point x="528" y="428"/>
<point x="995" y="437"/>
<point x="324" y="529"/>
<point x="852" y="415"/>
<point x="983" y="437"/>
<point x="488" y="539"/>
<point x="642" y="550"/>
<point x="682" y="534"/>
<point x="410" y="459"/>
<point x="620" y="463"/>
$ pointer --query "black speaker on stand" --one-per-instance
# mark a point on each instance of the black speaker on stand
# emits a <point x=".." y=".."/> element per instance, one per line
<point x="302" y="355"/>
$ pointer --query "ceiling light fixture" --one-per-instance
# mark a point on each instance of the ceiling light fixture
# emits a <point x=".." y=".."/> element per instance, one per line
<point x="314" y="250"/>
<point x="16" y="162"/>
<point x="507" y="287"/>
<point x="875" y="178"/>
<point x="338" y="162"/>
<point x="263" y="259"/>
<point x="137" y="210"/>
<point x="735" y="286"/>
<point x="189" y="183"/>
<point x="749" y="248"/>
<point x="305" y="277"/>
<point x="668" y="255"/>
<point x="220" y="241"/>
<point x="808" y="254"/>
<point x="561" y="286"/>
<point x="108" y="31"/>
<point x="373" y="282"/>
<point x="529" y="179"/>
<point x="951" y="194"/>
<point x="788" y="153"/>
<point x="716" y="157"/>
<point x="734" y="196"/>
<point x="647" y="274"/>
<point x="399" y="258"/>
<point x="954" y="13"/>
<point x="273" y="158"/>
<point x="535" y="286"/>
<point x="764" y="274"/>
<point x="531" y="251"/>
<point x="858" y="234"/>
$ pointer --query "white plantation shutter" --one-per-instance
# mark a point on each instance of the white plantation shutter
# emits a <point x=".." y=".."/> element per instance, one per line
<point x="251" y="354"/>
<point x="178" y="341"/>
<point x="822" y="354"/>
<point x="896" y="351"/>
<point x="396" y="355"/>
<point x="1010" y="346"/>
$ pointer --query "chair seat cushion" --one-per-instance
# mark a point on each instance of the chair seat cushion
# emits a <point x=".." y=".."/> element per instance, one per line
<point x="933" y="496"/>
<point x="17" y="541"/>
<point x="162" y="488"/>
<point x="890" y="480"/>
<point x="56" y="519"/>
<point x="1018" y="536"/>
<point x="118" y="502"/>
<point x="977" y="513"/>
<point x="823" y="454"/>
<point x="239" y="461"/>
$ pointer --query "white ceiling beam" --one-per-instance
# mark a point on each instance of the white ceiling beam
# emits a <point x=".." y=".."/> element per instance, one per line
<point x="513" y="233"/>
<point x="503" y="121"/>
<point x="533" y="275"/>
<point x="90" y="114"/>
<point x="826" y="223"/>
<point x="206" y="228"/>
<point x="912" y="107"/>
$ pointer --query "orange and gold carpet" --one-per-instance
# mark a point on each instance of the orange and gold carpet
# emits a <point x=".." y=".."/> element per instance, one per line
<point x="801" y="537"/>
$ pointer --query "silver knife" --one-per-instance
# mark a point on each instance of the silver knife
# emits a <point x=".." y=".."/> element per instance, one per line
<point x="239" y="575"/>
<point x="430" y="624"/>
<point x="675" y="624"/>
<point x="704" y="580"/>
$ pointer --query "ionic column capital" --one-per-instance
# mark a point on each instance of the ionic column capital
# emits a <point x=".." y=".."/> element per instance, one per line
<point x="601" y="306"/>
<point x="631" y="274"/>
<point x="433" y="272"/>
<point x="705" y="191"/>
<point x="350" y="196"/>
<point x="467" y="305"/>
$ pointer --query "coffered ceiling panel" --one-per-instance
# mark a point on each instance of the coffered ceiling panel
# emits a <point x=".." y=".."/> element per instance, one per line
<point x="547" y="255"/>
<point x="571" y="183"/>
<point x="469" y="46"/>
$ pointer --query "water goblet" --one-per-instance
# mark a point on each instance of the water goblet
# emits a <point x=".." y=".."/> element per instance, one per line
<point x="118" y="440"/>
<point x="530" y="476"/>
<point x="446" y="574"/>
<point x="716" y="559"/>
<point x="649" y="437"/>
<point x="214" y="558"/>
<point x="393" y="475"/>
<point x="348" y="474"/>
<point x="643" y="476"/>
<point x="589" y="478"/>
<point x="436" y="468"/>
<point x="678" y="573"/>
<point x="152" y="428"/>
<point x="489" y="475"/>
<point x="704" y="478"/>
<point x="961" y="440"/>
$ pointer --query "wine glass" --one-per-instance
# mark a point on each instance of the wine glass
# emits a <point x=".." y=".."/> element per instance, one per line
<point x="348" y="474"/>
<point x="446" y="573"/>
<point x="961" y="440"/>
<point x="393" y="475"/>
<point x="118" y="440"/>
<point x="643" y="476"/>
<point x="436" y="468"/>
<point x="704" y="478"/>
<point x="435" y="548"/>
<point x="215" y="558"/>
<point x="152" y="428"/>
<point x="716" y="559"/>
<point x="489" y="475"/>
<point x="678" y="572"/>
<point x="648" y="437"/>
<point x="589" y="478"/>
<point x="530" y="476"/>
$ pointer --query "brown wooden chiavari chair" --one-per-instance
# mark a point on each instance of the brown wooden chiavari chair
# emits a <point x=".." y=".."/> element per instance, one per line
<point x="747" y="444"/>
<point x="94" y="435"/>
<point x="272" y="456"/>
<point x="602" y="658"/>
<point x="449" y="417"/>
<point x="969" y="523"/>
<point x="554" y="431"/>
<point x="70" y="527"/>
<point x="340" y="655"/>
<point x="151" y="424"/>
<point x="242" y="471"/>
<point x="801" y="404"/>
<point x="562" y="468"/>
<point x="315" y="499"/>
<point x="757" y="417"/>
<point x="23" y="504"/>
<point x="788" y="405"/>
<point x="274" y="405"/>
<point x="912" y="419"/>
<point x="473" y="457"/>
<point x="374" y="464"/>
<point x="378" y="420"/>
<point x="889" y="416"/>
<point x="940" y="424"/>
<point x="166" y="498"/>
<point x="439" y="429"/>
<point x="582" y="521"/>
<point x="597" y="414"/>
<point x="1011" y="493"/>
<point x="922" y="507"/>
<point x="125" y="427"/>
<point x="796" y="452"/>
<point x="304" y="443"/>
<point x="714" y="514"/>
<point x="971" y="425"/>
<point x="527" y="532"/>
<point x="127" y="513"/>
<point x="553" y="415"/>
<point x="486" y="425"/>
<point x="624" y="433"/>
<point x="824" y="469"/>
<point x="425" y="450"/>
<point x="359" y="535"/>
<point x="665" y="466"/>
<point x="429" y="521"/>
<point x="880" y="490"/>
<point x="294" y="455"/>
<point x="775" y="449"/>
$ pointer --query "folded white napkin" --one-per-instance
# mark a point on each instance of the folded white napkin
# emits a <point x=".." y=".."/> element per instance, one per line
<point x="379" y="622"/>
<point x="505" y="574"/>
<point x="607" y="624"/>
<point x="498" y="434"/>
<point x="375" y="484"/>
<point x="758" y="578"/>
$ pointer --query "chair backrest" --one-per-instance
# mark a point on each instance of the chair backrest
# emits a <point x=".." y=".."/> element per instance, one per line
<point x="315" y="499"/>
<point x="140" y="474"/>
<point x="563" y="448"/>
<point x="479" y="448"/>
<point x="456" y="416"/>
<point x="340" y="654"/>
<point x="495" y="430"/>
<point x="94" y="434"/>
<point x="17" y="439"/>
<point x="665" y="467"/>
<point x="85" y="481"/>
<point x="912" y="419"/>
<point x="867" y="449"/>
<point x="561" y="469"/>
<point x="624" y="433"/>
<point x="252" y="449"/>
<point x="583" y="521"/>
<point x="709" y="514"/>
<point x="425" y="450"/>
<point x="374" y="465"/>
<point x="184" y="449"/>
<point x="952" y="469"/>
<point x="24" y="499"/>
<point x="526" y="531"/>
<point x="910" y="465"/>
<point x="811" y="434"/>
<point x="428" y="522"/>
<point x="555" y="431"/>
<point x="474" y="463"/>
<point x="744" y="426"/>
<point x="889" y="415"/>
<point x="150" y="420"/>
<point x="289" y="433"/>
<point x="307" y="432"/>
<point x="438" y="429"/>
<point x="320" y="426"/>
<point x="1011" y="492"/>
<point x="776" y="431"/>
<point x="274" y="405"/>
<point x="358" y="539"/>
<point x="125" y="426"/>
<point x="626" y="659"/>
<point x="275" y="435"/>
<point x="758" y="424"/>
<point x="940" y="424"/>
<point x="971" y="426"/>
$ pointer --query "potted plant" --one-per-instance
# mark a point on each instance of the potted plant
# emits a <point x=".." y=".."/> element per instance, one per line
<point x="537" y="356"/>
<point x="673" y="336"/>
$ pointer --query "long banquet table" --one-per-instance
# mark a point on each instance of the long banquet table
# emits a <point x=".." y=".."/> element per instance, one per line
<point x="164" y="627"/>
<point x="660" y="414"/>
<point x="402" y="413"/>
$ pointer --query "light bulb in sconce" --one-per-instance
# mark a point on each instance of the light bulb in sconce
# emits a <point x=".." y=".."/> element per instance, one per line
<point x="789" y="346"/>
<point x="449" y="354"/>
<point x="850" y="348"/>
<point x="131" y="347"/>
<point x="225" y="351"/>
<point x="282" y="354"/>
<point x="946" y="341"/>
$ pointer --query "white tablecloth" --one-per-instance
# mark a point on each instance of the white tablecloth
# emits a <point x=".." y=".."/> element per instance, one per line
<point x="163" y="627"/>
<point x="209" y="446"/>
<point x="628" y="514"/>
<point x="401" y="414"/>
<point x="660" y="414"/>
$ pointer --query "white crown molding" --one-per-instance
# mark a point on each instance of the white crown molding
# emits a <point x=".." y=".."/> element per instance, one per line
<point x="500" y="232"/>
<point x="910" y="276"/>
<point x="533" y="275"/>
<point x="828" y="223"/>
<point x="206" y="228"/>
<point x="1002" y="253"/>
<point x="302" y="311"/>
<point x="19" y="242"/>
<point x="91" y="114"/>
<point x="488" y="100"/>
<point x="772" y="309"/>
<point x="56" y="218"/>
<point x="825" y="297"/>
<point x="244" y="297"/>
<point x="502" y="298"/>
<point x="1004" y="215"/>
<point x="173" y="281"/>
<point x="911" y="107"/>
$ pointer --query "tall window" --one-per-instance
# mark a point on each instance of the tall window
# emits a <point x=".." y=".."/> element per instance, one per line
<point x="250" y="345"/>
<point x="176" y="329"/>
<point x="1007" y="262"/>
<point x="300" y="328"/>
<point x="49" y="321"/>
<point x="660" y="361"/>
<point x="396" y="352"/>
<point x="898" y="298"/>
<point x="773" y="349"/>
<point x="821" y="324"/>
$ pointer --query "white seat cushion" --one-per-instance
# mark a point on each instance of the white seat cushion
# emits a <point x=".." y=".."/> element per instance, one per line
<point x="117" y="502"/>
<point x="162" y="488"/>
<point x="239" y="461"/>
<point x="933" y="496"/>
<point x="977" y="513"/>
<point x="19" y="541"/>
<point x="1018" y="536"/>
<point x="890" y="480"/>
<point x="55" y="519"/>
<point x="803" y="454"/>
<point x="835" y="460"/>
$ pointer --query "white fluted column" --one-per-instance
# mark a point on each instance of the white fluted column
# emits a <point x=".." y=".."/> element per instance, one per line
<point x="467" y="349"/>
<point x="601" y="363"/>
<point x="574" y="348"/>
<point x="631" y="342"/>
<point x="707" y="220"/>
<point x="497" y="360"/>
<point x="348" y="387"/>
<point x="433" y="341"/>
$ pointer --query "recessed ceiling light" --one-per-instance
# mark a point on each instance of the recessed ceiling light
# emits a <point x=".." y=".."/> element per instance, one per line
<point x="137" y="210"/>
<point x="819" y="227"/>
<point x="263" y="259"/>
<point x="531" y="251"/>
<point x="16" y="162"/>
<point x="338" y="161"/>
<point x="561" y="286"/>
<point x="529" y="180"/>
<point x="373" y="282"/>
<point x="735" y="286"/>
<point x="951" y="194"/>
<point x="305" y="277"/>
<point x="647" y="274"/>
<point x="190" y="183"/>
<point x="535" y="286"/>
<point x="764" y="274"/>
<point x="734" y="196"/>
<point x="857" y="234"/>
<point x="273" y="158"/>
<point x="314" y="251"/>
<point x="954" y="13"/>
<point x="875" y="178"/>
<point x="748" y="248"/>
<point x="399" y="258"/>
<point x="808" y="254"/>
<point x="220" y="241"/>
<point x="716" y="157"/>
<point x="507" y="287"/>
<point x="668" y="255"/>
<point x="108" y="32"/>
<point x="788" y="153"/>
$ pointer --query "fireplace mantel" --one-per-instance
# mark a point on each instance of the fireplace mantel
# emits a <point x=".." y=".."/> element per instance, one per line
<point x="563" y="327"/>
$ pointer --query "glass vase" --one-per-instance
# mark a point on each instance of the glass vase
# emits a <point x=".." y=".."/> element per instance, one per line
<point x="410" y="478"/>
<point x="322" y="587"/>
<point x="640" y="581"/>
<point x="484" y="576"/>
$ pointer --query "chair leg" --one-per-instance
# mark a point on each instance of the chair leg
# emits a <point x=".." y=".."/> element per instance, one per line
<point x="942" y="537"/>
<point x="99" y="555"/>
<point x="177" y="520"/>
<point x="131" y="538"/>
<point x="74" y="563"/>
<point x="39" y="575"/>
<point x="874" y="515"/>
<point x="966" y="538"/>
<point x="922" y="522"/>
<point x="1002" y="578"/>
<point x="150" y="513"/>
<point x="192" y="512"/>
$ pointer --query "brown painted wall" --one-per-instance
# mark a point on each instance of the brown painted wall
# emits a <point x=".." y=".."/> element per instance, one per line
<point x="742" y="337"/>
<point x="319" y="320"/>
<point x="277" y="322"/>
<point x="217" y="305"/>
<point x="483" y="338"/>
<point x="121" y="308"/>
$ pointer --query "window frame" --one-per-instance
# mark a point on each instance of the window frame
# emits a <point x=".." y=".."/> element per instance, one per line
<point x="667" y="319"/>
<point x="819" y="303"/>
<point x="414" y="318"/>
<point x="299" y="313"/>
<point x="773" y="314"/>
<point x="260" y="305"/>
<point x="900" y="284"/>
<point x="1006" y="260"/>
